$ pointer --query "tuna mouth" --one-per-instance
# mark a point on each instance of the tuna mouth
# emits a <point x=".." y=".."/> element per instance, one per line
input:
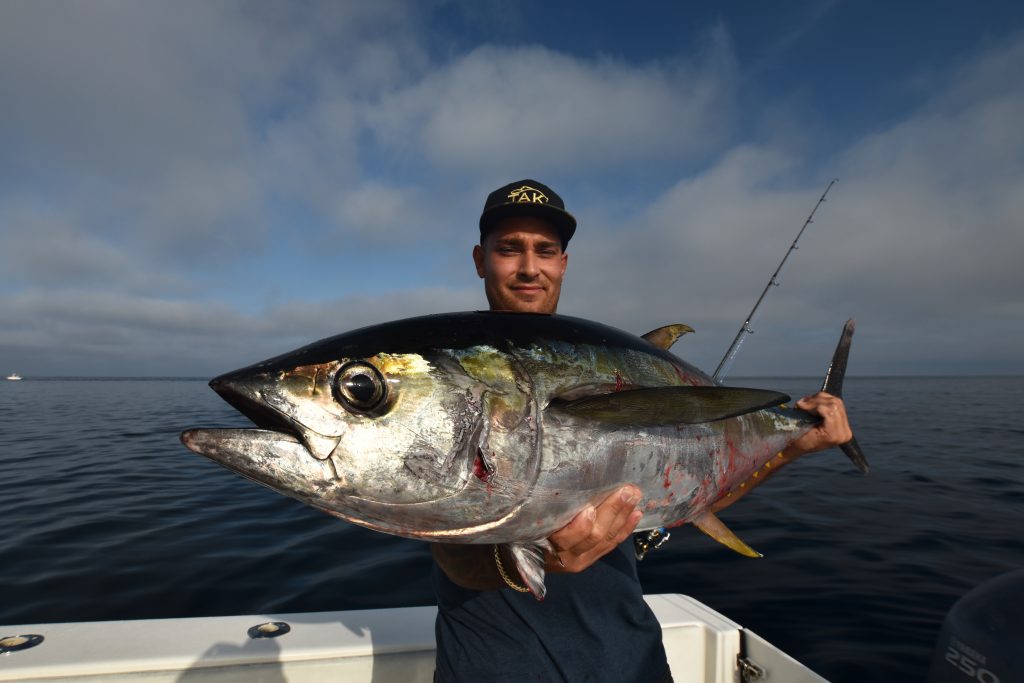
<point x="262" y="415"/>
<point x="255" y="397"/>
<point x="235" y="448"/>
<point x="277" y="452"/>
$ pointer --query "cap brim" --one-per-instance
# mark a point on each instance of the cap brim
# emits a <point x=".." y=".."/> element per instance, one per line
<point x="562" y="221"/>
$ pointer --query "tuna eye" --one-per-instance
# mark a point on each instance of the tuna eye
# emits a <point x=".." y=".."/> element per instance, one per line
<point x="360" y="387"/>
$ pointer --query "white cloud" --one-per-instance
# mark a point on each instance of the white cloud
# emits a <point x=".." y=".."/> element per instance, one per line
<point x="67" y="331"/>
<point x="167" y="126"/>
<point x="381" y="213"/>
<point x="42" y="247"/>
<point x="149" y="152"/>
<point x="501" y="107"/>
<point x="920" y="239"/>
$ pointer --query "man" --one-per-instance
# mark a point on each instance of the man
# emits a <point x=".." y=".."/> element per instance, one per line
<point x="594" y="624"/>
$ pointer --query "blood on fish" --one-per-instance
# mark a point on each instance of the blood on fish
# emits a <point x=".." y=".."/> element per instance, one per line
<point x="479" y="470"/>
<point x="668" y="481"/>
<point x="483" y="470"/>
<point x="618" y="381"/>
<point x="688" y="378"/>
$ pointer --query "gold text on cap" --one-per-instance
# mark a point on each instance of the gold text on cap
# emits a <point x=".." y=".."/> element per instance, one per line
<point x="527" y="194"/>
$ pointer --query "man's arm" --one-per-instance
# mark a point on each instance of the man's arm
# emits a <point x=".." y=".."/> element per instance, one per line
<point x="593" y="533"/>
<point x="834" y="430"/>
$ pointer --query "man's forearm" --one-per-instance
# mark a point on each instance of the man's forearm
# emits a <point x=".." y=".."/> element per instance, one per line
<point x="469" y="566"/>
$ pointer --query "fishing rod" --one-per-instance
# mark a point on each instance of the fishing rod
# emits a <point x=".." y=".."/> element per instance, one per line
<point x="652" y="540"/>
<point x="745" y="329"/>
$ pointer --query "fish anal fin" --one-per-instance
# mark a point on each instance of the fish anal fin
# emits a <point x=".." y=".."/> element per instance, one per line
<point x="716" y="529"/>
<point x="665" y="337"/>
<point x="529" y="561"/>
<point x="673" y="405"/>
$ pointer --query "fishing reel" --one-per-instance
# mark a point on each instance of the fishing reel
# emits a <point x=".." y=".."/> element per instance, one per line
<point x="652" y="540"/>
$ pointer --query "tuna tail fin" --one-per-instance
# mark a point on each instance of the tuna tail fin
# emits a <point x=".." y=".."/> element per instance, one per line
<point x="716" y="529"/>
<point x="834" y="385"/>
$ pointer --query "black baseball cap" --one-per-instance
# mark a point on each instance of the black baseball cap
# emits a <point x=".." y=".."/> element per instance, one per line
<point x="527" y="198"/>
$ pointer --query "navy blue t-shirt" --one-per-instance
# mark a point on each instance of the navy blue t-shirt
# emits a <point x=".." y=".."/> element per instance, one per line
<point x="593" y="626"/>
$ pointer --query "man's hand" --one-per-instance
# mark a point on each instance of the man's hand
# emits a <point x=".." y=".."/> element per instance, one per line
<point x="595" y="532"/>
<point x="834" y="429"/>
<point x="592" y="533"/>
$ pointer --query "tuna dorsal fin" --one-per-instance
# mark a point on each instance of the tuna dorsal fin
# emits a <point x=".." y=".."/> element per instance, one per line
<point x="669" y="405"/>
<point x="714" y="528"/>
<point x="665" y="337"/>
<point x="529" y="559"/>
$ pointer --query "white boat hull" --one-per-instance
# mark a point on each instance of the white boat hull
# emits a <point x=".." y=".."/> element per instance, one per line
<point x="353" y="646"/>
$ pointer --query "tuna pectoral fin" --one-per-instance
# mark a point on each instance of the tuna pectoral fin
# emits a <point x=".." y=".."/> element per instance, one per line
<point x="669" y="405"/>
<point x="665" y="337"/>
<point x="529" y="558"/>
<point x="714" y="528"/>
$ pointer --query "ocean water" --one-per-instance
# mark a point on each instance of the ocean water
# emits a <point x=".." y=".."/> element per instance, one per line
<point x="106" y="516"/>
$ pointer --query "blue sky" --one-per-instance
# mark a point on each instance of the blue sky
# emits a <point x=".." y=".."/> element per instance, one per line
<point x="189" y="187"/>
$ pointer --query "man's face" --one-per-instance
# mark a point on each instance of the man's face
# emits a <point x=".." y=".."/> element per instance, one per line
<point x="522" y="264"/>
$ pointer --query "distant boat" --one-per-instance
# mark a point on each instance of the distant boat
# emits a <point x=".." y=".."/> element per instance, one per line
<point x="13" y="376"/>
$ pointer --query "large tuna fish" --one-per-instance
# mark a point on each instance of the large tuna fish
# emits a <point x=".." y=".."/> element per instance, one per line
<point x="499" y="428"/>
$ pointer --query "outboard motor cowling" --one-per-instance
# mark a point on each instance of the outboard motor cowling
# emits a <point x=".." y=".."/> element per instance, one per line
<point x="982" y="639"/>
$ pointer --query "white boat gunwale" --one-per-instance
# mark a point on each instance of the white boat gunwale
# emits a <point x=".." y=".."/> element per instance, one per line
<point x="358" y="645"/>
